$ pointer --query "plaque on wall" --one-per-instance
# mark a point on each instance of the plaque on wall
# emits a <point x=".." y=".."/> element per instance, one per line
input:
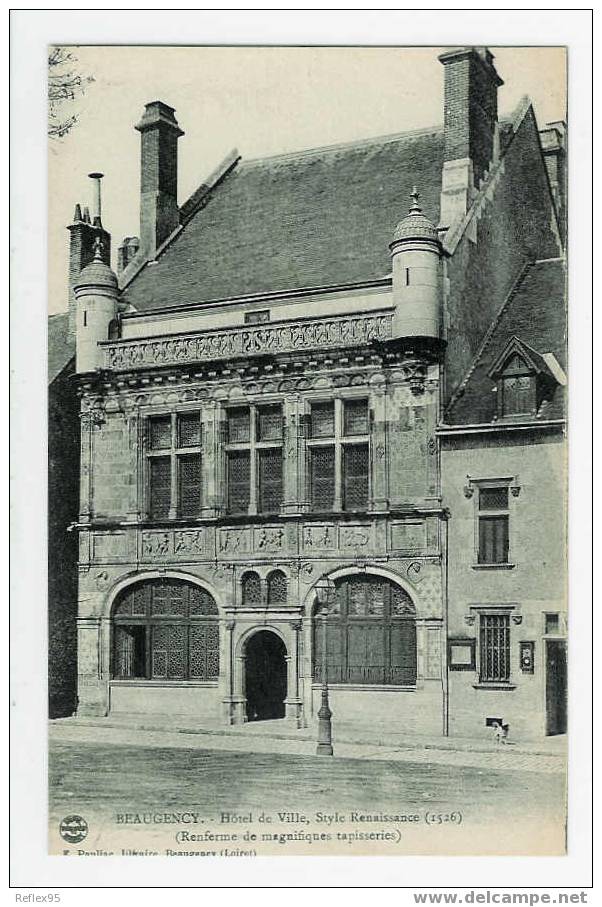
<point x="461" y="654"/>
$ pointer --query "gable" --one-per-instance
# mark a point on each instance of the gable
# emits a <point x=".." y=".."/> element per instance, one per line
<point x="532" y="321"/>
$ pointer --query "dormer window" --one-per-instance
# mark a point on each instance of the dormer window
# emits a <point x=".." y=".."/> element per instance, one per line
<point x="517" y="389"/>
<point x="523" y="380"/>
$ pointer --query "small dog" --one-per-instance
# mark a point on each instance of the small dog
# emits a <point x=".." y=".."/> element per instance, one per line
<point x="500" y="732"/>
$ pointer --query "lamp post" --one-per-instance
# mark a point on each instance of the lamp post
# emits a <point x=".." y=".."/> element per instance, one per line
<point x="325" y="592"/>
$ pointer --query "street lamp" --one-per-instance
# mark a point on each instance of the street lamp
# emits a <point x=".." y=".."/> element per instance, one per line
<point x="325" y="593"/>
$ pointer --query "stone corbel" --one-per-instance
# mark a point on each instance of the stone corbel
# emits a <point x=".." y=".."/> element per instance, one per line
<point x="470" y="618"/>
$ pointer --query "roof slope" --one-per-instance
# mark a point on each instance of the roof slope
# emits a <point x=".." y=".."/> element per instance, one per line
<point x="535" y="313"/>
<point x="316" y="218"/>
<point x="61" y="347"/>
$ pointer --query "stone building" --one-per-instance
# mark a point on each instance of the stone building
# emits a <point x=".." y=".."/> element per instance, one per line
<point x="273" y="392"/>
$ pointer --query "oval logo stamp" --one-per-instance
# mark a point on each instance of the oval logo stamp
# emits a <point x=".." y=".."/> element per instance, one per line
<point x="73" y="829"/>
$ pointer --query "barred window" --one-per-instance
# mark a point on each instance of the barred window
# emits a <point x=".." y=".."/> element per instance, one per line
<point x="370" y="634"/>
<point x="493" y="520"/>
<point x="239" y="477"/>
<point x="355" y="477"/>
<point x="322" y="478"/>
<point x="174" y="479"/>
<point x="165" y="629"/>
<point x="277" y="588"/>
<point x="494" y="647"/>
<point x="251" y="589"/>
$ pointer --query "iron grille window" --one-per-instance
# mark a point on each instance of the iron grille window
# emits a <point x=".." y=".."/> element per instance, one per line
<point x="493" y="525"/>
<point x="355" y="476"/>
<point x="239" y="477"/>
<point x="270" y="480"/>
<point x="239" y="425"/>
<point x="251" y="589"/>
<point x="165" y="630"/>
<point x="322" y="420"/>
<point x="277" y="588"/>
<point x="189" y="485"/>
<point x="322" y="478"/>
<point x="255" y="460"/>
<point x="494" y="647"/>
<point x="174" y="480"/>
<point x="160" y="487"/>
<point x="340" y="470"/>
<point x="269" y="423"/>
<point x="370" y="635"/>
<point x="355" y="417"/>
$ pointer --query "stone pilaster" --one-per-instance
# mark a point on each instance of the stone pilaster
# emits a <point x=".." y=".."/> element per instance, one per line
<point x="379" y="493"/>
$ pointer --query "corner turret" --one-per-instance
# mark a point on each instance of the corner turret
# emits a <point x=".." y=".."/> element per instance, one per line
<point x="416" y="253"/>
<point x="97" y="293"/>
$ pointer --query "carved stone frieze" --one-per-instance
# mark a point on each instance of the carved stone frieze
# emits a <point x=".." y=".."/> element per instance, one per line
<point x="249" y="341"/>
<point x="319" y="536"/>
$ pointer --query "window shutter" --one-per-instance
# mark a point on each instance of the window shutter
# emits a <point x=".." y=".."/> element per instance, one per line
<point x="403" y="652"/>
<point x="270" y="481"/>
<point x="355" y="477"/>
<point x="239" y="478"/>
<point x="160" y="487"/>
<point x="189" y="485"/>
<point x="493" y="540"/>
<point x="322" y="478"/>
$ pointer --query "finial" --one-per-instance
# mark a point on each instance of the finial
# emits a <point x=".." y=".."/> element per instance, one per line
<point x="98" y="249"/>
<point x="415" y="207"/>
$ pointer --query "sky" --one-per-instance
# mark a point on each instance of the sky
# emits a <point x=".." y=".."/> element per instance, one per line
<point x="260" y="100"/>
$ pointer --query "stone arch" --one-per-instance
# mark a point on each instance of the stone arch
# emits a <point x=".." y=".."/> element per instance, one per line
<point x="132" y="578"/>
<point x="353" y="570"/>
<point x="165" y="628"/>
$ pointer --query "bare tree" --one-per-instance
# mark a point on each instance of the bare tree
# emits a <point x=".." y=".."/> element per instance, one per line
<point x="65" y="84"/>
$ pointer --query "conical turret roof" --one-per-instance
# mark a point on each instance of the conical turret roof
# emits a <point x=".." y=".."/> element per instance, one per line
<point x="97" y="273"/>
<point x="415" y="225"/>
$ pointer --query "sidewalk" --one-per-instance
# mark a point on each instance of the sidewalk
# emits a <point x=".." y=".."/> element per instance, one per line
<point x="350" y="741"/>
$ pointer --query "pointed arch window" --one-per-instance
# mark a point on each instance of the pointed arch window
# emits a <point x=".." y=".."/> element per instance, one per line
<point x="370" y="634"/>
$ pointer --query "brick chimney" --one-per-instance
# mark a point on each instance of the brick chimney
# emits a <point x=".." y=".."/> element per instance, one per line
<point x="84" y="232"/>
<point x="159" y="213"/>
<point x="470" y="122"/>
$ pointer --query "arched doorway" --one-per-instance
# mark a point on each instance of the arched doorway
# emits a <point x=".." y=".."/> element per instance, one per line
<point x="265" y="676"/>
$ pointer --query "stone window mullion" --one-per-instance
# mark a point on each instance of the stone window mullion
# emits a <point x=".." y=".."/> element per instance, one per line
<point x="338" y="455"/>
<point x="173" y="504"/>
<point x="252" y="460"/>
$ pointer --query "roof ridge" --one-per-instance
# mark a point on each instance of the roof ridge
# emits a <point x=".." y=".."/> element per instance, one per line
<point x="352" y="143"/>
<point x="489" y="334"/>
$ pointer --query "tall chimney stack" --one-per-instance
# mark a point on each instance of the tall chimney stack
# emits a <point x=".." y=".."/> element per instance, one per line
<point x="84" y="234"/>
<point x="159" y="213"/>
<point x="470" y="124"/>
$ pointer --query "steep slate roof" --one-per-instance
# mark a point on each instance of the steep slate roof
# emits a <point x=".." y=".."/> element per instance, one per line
<point x="315" y="218"/>
<point x="61" y="347"/>
<point x="535" y="313"/>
